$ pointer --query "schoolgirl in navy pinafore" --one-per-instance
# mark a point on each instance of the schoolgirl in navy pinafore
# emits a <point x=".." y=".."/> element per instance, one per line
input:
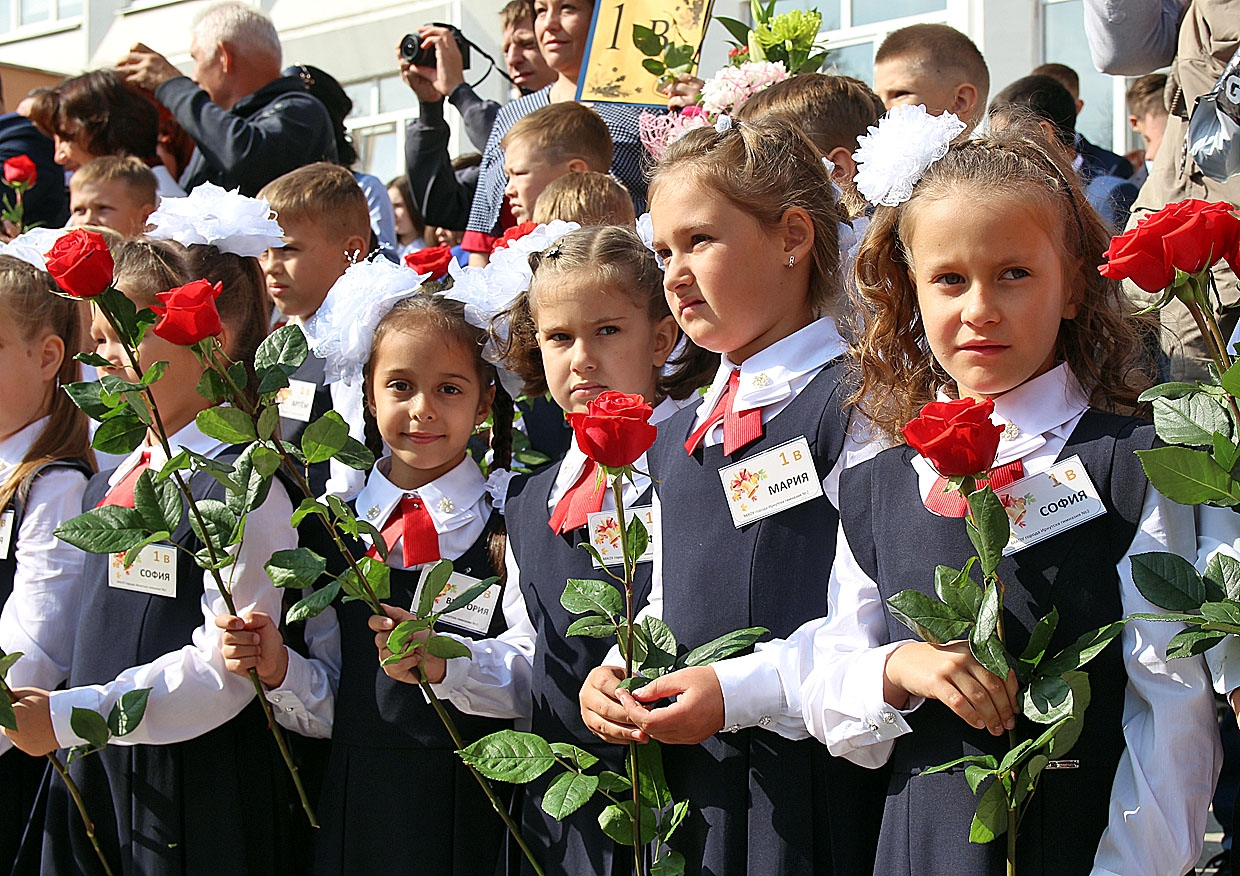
<point x="396" y="797"/>
<point x="547" y="560"/>
<point x="21" y="775"/>
<point x="926" y="823"/>
<point x="761" y="804"/>
<point x="218" y="803"/>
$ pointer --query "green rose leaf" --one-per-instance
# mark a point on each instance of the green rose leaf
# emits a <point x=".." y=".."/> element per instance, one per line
<point x="127" y="713"/>
<point x="355" y="455"/>
<point x="510" y="756"/>
<point x="1222" y="578"/>
<point x="267" y="421"/>
<point x="6" y="663"/>
<point x="578" y="757"/>
<point x="1040" y="639"/>
<point x="595" y="597"/>
<point x="1189" y="477"/>
<point x="1084" y="649"/>
<point x="401" y="640"/>
<point x="253" y="484"/>
<point x="158" y="501"/>
<point x="934" y="621"/>
<point x="651" y="783"/>
<point x="1190" y="643"/>
<point x="662" y="651"/>
<point x="1045" y="700"/>
<point x="990" y="821"/>
<point x="230" y="425"/>
<point x="988" y="528"/>
<point x="1061" y="737"/>
<point x="616" y="821"/>
<point x="984" y="640"/>
<point x="722" y="647"/>
<point x="1014" y="754"/>
<point x="567" y="793"/>
<point x="639" y="538"/>
<point x="312" y="604"/>
<point x="1168" y="581"/>
<point x="654" y="67"/>
<point x="213" y="387"/>
<point x="119" y="434"/>
<point x="671" y="864"/>
<point x="221" y="524"/>
<point x="975" y="775"/>
<point x="131" y="555"/>
<point x="300" y="567"/>
<point x="266" y="461"/>
<point x="592" y="626"/>
<point x="308" y="507"/>
<point x="678" y="55"/>
<point x="436" y="581"/>
<point x="679" y="812"/>
<point x="469" y="595"/>
<point x="960" y="592"/>
<point x="378" y="576"/>
<point x="90" y="726"/>
<point x="93" y="359"/>
<point x="1226" y="453"/>
<point x="88" y="397"/>
<point x="1191" y="418"/>
<point x="613" y="783"/>
<point x="324" y="438"/>
<point x="1222" y="617"/>
<point x="1027" y="780"/>
<point x="285" y="349"/>
<point x="107" y="530"/>
<point x="8" y="718"/>
<point x="446" y="647"/>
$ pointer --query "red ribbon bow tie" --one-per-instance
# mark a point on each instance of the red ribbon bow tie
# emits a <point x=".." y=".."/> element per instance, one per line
<point x="581" y="500"/>
<point x="412" y="526"/>
<point x="954" y="504"/>
<point x="739" y="429"/>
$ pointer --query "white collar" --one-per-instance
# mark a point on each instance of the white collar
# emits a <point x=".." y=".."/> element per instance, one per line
<point x="188" y="438"/>
<point x="451" y="498"/>
<point x="14" y="448"/>
<point x="767" y="376"/>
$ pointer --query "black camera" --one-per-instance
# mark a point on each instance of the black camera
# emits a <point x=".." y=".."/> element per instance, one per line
<point x="411" y="48"/>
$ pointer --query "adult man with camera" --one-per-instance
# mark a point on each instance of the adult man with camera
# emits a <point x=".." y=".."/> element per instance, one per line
<point x="443" y="195"/>
<point x="250" y="123"/>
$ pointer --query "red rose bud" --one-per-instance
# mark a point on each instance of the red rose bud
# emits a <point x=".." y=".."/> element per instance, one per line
<point x="956" y="437"/>
<point x="514" y="233"/>
<point x="20" y="170"/>
<point x="433" y="260"/>
<point x="188" y="313"/>
<point x="615" y="430"/>
<point x="80" y="263"/>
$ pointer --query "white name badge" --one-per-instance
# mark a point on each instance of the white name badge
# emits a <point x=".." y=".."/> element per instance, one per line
<point x="296" y="400"/>
<point x="769" y="482"/>
<point x="154" y="571"/>
<point x="475" y="617"/>
<point x="604" y="531"/>
<point x="6" y="533"/>
<point x="1049" y="503"/>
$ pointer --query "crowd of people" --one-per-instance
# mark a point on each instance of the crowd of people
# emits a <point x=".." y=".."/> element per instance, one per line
<point x="794" y="281"/>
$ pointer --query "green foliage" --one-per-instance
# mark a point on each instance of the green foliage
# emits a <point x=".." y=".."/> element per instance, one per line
<point x="157" y="502"/>
<point x="1189" y="477"/>
<point x="510" y="756"/>
<point x="230" y="425"/>
<point x="582" y="595"/>
<point x="988" y="528"/>
<point x="300" y="567"/>
<point x="324" y="438"/>
<point x="313" y="604"/>
<point x="567" y="793"/>
<point x="123" y="719"/>
<point x="1168" y="581"/>
<point x="110" y="529"/>
<point x="935" y="622"/>
<point x="279" y="356"/>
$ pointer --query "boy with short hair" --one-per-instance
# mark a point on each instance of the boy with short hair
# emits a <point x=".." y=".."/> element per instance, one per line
<point x="936" y="66"/>
<point x="1147" y="115"/>
<point x="833" y="111"/>
<point x="326" y="223"/>
<point x="1094" y="160"/>
<point x="587" y="198"/>
<point x="113" y="192"/>
<point x="546" y="144"/>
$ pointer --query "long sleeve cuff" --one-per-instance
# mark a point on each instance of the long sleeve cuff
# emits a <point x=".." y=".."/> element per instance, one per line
<point x="753" y="694"/>
<point x="430" y="114"/>
<point x="295" y="704"/>
<point x="61" y="704"/>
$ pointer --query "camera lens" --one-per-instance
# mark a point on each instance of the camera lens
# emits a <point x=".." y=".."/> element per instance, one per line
<point x="411" y="50"/>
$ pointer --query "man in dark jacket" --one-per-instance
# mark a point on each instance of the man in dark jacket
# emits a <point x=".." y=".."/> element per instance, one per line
<point x="250" y="123"/>
<point x="47" y="203"/>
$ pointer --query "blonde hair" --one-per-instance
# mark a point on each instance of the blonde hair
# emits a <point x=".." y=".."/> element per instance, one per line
<point x="613" y="257"/>
<point x="561" y="132"/>
<point x="131" y="171"/>
<point x="324" y="194"/>
<point x="764" y="168"/>
<point x="1102" y="344"/>
<point x="29" y="299"/>
<point x="587" y="198"/>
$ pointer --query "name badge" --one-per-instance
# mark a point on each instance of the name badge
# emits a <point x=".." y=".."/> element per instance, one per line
<point x="154" y="572"/>
<point x="604" y="531"/>
<point x="6" y="533"/>
<point x="1049" y="503"/>
<point x="475" y="617"/>
<point x="769" y="482"/>
<point x="296" y="400"/>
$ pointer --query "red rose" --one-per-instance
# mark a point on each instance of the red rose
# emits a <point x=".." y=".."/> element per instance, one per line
<point x="80" y="263"/>
<point x="517" y="231"/>
<point x="20" y="170"/>
<point x="433" y="260"/>
<point x="956" y="437"/>
<point x="1190" y="235"/>
<point x="615" y="430"/>
<point x="188" y="314"/>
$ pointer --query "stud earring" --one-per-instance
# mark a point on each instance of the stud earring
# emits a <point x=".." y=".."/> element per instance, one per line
<point x="792" y="260"/>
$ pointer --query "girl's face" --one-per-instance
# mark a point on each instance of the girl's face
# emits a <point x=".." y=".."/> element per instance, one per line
<point x="594" y="338"/>
<point x="726" y="275"/>
<point x="991" y="288"/>
<point x="427" y="399"/>
<point x="176" y="392"/>
<point x="562" y="28"/>
<point x="29" y="367"/>
<point x="404" y="225"/>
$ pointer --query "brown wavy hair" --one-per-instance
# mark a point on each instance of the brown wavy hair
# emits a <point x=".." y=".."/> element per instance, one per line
<point x="1102" y="344"/>
<point x="615" y="257"/>
<point x="29" y="300"/>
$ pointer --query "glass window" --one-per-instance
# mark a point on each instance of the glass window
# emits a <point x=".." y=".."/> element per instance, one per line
<point x="35" y="11"/>
<point x="360" y="93"/>
<point x="1064" y="43"/>
<point x="379" y="150"/>
<point x="394" y="95"/>
<point x="6" y="16"/>
<point x="871" y="11"/>
<point x="830" y="10"/>
<point x="69" y="8"/>
<point x="856" y="61"/>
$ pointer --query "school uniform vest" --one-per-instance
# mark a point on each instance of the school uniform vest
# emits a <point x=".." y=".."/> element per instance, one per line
<point x="389" y="744"/>
<point x="313" y="370"/>
<point x="20" y="774"/>
<point x="217" y="803"/>
<point x="926" y="823"/>
<point x="761" y="804"/>
<point x="561" y="663"/>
